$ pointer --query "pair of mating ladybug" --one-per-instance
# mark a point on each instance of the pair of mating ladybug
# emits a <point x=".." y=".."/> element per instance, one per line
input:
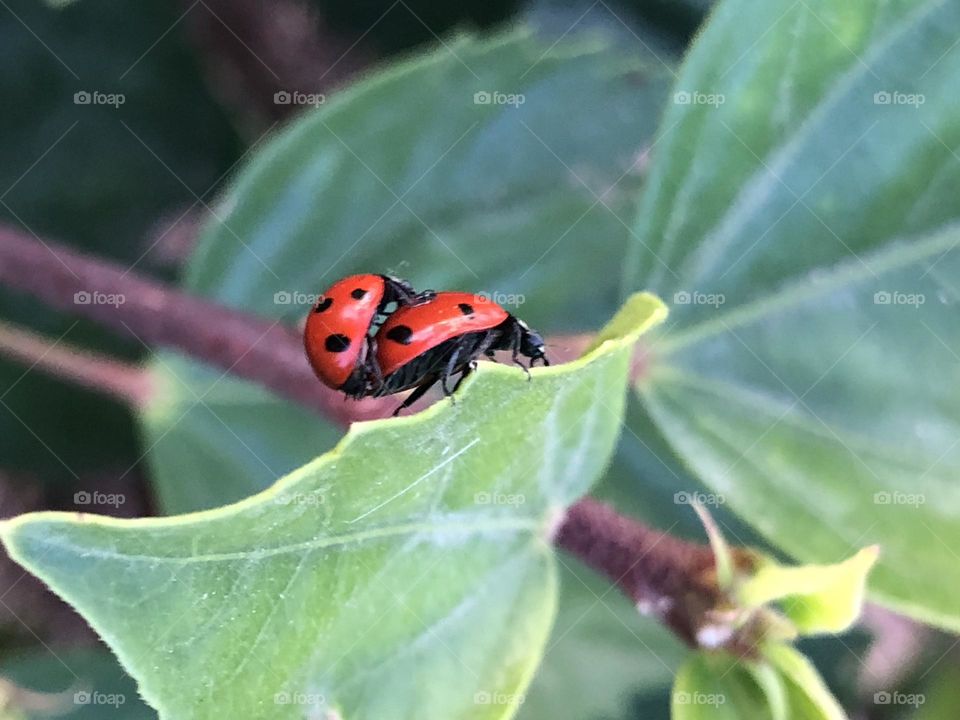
<point x="374" y="335"/>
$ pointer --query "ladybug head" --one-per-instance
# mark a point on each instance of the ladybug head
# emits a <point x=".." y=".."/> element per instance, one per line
<point x="531" y="344"/>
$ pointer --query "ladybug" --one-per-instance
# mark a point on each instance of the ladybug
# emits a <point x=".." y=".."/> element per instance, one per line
<point x="339" y="330"/>
<point x="425" y="343"/>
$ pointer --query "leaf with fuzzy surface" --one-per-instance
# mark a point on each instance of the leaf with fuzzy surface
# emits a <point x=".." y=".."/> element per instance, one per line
<point x="805" y="224"/>
<point x="405" y="574"/>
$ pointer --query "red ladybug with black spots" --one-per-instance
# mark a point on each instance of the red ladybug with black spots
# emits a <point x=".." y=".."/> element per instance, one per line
<point x="339" y="331"/>
<point x="430" y="341"/>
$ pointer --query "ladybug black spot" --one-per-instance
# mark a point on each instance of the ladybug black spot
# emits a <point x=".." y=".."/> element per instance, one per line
<point x="465" y="308"/>
<point x="358" y="293"/>
<point x="336" y="343"/>
<point x="323" y="305"/>
<point x="400" y="334"/>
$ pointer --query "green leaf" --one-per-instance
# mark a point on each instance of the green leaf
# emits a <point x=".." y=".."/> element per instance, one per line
<point x="816" y="598"/>
<point x="716" y="687"/>
<point x="601" y="654"/>
<point x="214" y="439"/>
<point x="772" y="685"/>
<point x="806" y="231"/>
<point x="807" y="695"/>
<point x="407" y="171"/>
<point x="938" y="701"/>
<point x="405" y="574"/>
<point x="495" y="198"/>
<point x="782" y="685"/>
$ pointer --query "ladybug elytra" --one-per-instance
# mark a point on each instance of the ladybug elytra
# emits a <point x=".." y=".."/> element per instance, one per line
<point x="339" y="330"/>
<point x="425" y="343"/>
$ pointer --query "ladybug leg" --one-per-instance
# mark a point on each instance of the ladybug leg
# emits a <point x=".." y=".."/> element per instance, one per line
<point x="471" y="366"/>
<point x="448" y="371"/>
<point x="428" y="382"/>
<point x="516" y="341"/>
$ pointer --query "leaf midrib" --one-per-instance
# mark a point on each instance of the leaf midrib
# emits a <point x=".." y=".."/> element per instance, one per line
<point x="789" y="415"/>
<point x="900" y="252"/>
<point x="767" y="175"/>
<point x="532" y="525"/>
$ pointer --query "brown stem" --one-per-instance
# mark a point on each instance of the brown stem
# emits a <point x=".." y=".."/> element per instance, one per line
<point x="247" y="346"/>
<point x="667" y="577"/>
<point x="125" y="382"/>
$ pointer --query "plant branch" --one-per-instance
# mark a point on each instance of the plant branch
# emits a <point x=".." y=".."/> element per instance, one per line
<point x="159" y="316"/>
<point x="669" y="578"/>
<point x="124" y="381"/>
